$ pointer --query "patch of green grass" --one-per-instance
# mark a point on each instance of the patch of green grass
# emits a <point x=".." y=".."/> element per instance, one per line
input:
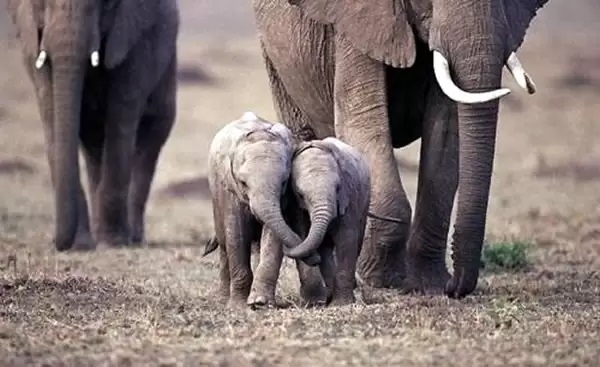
<point x="510" y="255"/>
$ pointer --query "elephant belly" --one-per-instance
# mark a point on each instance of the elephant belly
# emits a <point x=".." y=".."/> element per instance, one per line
<point x="301" y="52"/>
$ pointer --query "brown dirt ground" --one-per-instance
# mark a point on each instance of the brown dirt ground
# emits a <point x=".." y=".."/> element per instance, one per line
<point x="157" y="305"/>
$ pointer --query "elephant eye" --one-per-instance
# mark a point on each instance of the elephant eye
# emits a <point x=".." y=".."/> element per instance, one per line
<point x="244" y="184"/>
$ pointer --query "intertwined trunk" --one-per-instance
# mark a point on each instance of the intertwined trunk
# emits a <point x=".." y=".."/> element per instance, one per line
<point x="320" y="218"/>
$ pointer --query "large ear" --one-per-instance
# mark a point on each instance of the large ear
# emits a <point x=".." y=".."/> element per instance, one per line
<point x="28" y="16"/>
<point x="519" y="14"/>
<point x="131" y="18"/>
<point x="378" y="28"/>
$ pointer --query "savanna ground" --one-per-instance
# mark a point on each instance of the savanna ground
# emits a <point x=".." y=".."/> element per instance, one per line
<point x="157" y="305"/>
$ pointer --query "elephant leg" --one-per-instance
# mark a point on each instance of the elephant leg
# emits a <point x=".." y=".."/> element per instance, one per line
<point x="361" y="120"/>
<point x="327" y="267"/>
<point x="152" y="134"/>
<point x="287" y="110"/>
<point x="120" y="132"/>
<point x="267" y="271"/>
<point x="313" y="290"/>
<point x="346" y="244"/>
<point x="438" y="181"/>
<point x="238" y="241"/>
<point x="312" y="287"/>
<point x="225" y="278"/>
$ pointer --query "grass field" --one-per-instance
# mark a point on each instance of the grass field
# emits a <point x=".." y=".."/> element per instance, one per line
<point x="157" y="305"/>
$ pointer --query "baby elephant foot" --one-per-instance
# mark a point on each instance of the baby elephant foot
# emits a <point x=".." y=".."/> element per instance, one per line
<point x="314" y="294"/>
<point x="260" y="298"/>
<point x="236" y="303"/>
<point x="257" y="301"/>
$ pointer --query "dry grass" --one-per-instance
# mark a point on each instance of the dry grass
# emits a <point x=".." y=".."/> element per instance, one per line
<point x="158" y="305"/>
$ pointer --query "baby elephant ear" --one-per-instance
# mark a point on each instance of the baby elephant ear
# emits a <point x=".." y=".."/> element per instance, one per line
<point x="378" y="28"/>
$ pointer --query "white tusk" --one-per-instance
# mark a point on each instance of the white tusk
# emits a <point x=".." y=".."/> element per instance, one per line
<point x="41" y="59"/>
<point x="95" y="59"/>
<point x="518" y="72"/>
<point x="442" y="74"/>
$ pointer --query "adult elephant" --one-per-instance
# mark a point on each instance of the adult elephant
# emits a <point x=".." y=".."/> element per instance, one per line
<point x="104" y="73"/>
<point x="366" y="72"/>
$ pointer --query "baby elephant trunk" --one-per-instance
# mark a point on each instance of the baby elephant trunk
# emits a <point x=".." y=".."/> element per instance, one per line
<point x="273" y="219"/>
<point x="320" y="218"/>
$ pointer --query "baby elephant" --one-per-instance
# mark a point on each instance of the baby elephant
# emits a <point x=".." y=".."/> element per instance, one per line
<point x="331" y="186"/>
<point x="248" y="169"/>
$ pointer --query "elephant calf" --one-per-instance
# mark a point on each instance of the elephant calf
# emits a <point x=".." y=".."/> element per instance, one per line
<point x="330" y="193"/>
<point x="249" y="166"/>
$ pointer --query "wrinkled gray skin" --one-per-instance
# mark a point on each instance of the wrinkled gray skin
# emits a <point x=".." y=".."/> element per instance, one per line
<point x="331" y="189"/>
<point x="121" y="111"/>
<point x="248" y="170"/>
<point x="363" y="71"/>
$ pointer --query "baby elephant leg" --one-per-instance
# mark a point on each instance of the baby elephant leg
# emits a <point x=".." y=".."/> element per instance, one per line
<point x="346" y="241"/>
<point x="312" y="287"/>
<point x="238" y="240"/>
<point x="327" y="267"/>
<point x="267" y="271"/>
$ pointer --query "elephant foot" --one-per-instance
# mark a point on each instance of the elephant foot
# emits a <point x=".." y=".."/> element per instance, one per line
<point x="342" y="300"/>
<point x="260" y="298"/>
<point x="84" y="241"/>
<point x="313" y="291"/>
<point x="382" y="270"/>
<point x="236" y="303"/>
<point x="114" y="239"/>
<point x="314" y="297"/>
<point x="426" y="277"/>
<point x="463" y="282"/>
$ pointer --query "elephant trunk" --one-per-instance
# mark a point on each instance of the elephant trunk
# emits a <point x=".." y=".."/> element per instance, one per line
<point x="320" y="218"/>
<point x="269" y="212"/>
<point x="475" y="72"/>
<point x="67" y="81"/>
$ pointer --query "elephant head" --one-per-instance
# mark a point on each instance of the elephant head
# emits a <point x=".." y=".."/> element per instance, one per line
<point x="320" y="185"/>
<point x="471" y="41"/>
<point x="65" y="38"/>
<point x="259" y="170"/>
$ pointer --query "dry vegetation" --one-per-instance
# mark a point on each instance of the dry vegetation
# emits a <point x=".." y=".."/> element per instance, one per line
<point x="157" y="305"/>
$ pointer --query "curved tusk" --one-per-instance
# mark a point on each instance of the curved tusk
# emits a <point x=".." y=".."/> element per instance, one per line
<point x="441" y="69"/>
<point x="518" y="72"/>
<point x="95" y="58"/>
<point x="41" y="59"/>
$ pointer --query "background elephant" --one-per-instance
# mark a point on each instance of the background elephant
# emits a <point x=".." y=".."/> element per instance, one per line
<point x="331" y="188"/>
<point x="380" y="74"/>
<point x="248" y="170"/>
<point x="104" y="73"/>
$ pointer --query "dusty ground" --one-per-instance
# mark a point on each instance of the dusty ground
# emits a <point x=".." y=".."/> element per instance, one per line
<point x="156" y="306"/>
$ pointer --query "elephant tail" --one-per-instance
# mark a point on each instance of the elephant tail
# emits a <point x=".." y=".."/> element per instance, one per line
<point x="211" y="245"/>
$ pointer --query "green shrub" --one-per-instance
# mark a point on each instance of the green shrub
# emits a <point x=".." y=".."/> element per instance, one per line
<point x="505" y="255"/>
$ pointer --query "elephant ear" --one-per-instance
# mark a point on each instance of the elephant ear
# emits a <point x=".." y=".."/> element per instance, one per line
<point x="519" y="14"/>
<point x="378" y="28"/>
<point x="343" y="162"/>
<point x="129" y="19"/>
<point x="28" y="16"/>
